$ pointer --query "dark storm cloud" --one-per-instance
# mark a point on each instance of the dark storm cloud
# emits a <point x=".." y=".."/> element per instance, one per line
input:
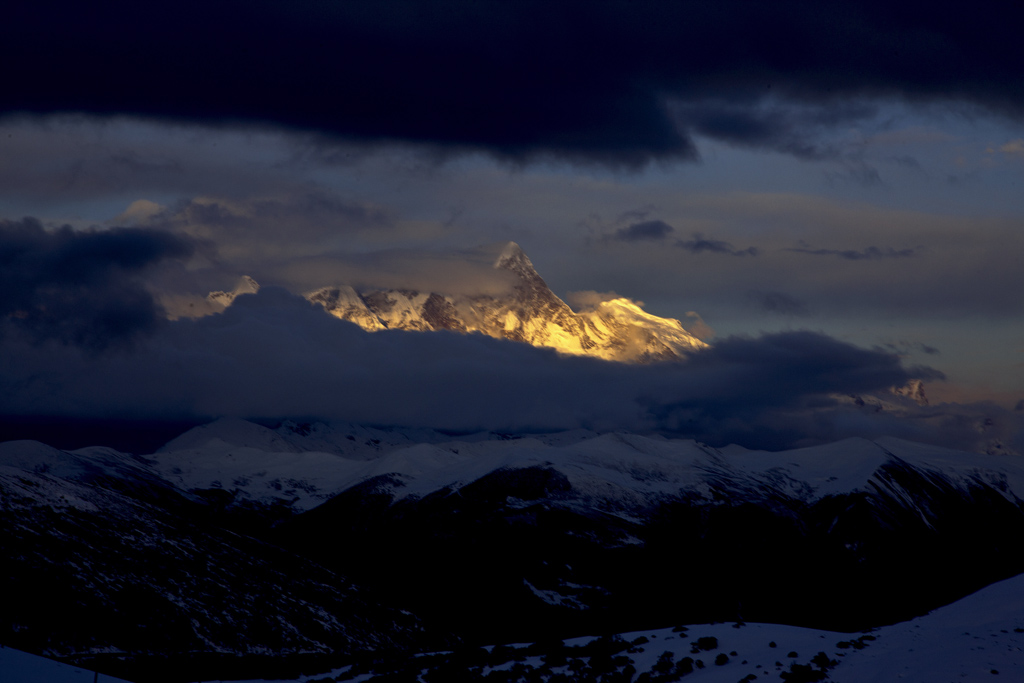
<point x="611" y="81"/>
<point x="654" y="231"/>
<point x="780" y="390"/>
<point x="700" y="244"/>
<point x="866" y="254"/>
<point x="783" y="127"/>
<point x="80" y="287"/>
<point x="787" y="367"/>
<point x="273" y="355"/>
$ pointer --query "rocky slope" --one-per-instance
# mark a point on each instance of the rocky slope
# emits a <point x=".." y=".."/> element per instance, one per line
<point x="978" y="638"/>
<point x="108" y="565"/>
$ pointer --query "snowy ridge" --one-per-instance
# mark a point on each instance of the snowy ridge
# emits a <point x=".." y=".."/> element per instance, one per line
<point x="345" y="303"/>
<point x="305" y="466"/>
<point x="32" y="473"/>
<point x="266" y="466"/>
<point x="640" y="335"/>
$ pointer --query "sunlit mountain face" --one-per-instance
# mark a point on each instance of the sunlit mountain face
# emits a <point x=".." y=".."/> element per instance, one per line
<point x="616" y="329"/>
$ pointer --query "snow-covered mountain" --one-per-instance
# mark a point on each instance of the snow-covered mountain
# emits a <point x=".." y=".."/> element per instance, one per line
<point x="246" y="285"/>
<point x="623" y="473"/>
<point x="616" y="329"/>
<point x="238" y="540"/>
<point x="582" y="526"/>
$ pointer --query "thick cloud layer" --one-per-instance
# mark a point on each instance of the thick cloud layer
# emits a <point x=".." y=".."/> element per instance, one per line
<point x="613" y="81"/>
<point x="80" y="287"/>
<point x="273" y="355"/>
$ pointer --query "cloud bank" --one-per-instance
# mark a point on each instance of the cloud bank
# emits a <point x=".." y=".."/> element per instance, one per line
<point x="273" y="355"/>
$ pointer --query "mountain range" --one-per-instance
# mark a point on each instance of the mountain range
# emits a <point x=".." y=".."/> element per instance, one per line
<point x="614" y="329"/>
<point x="240" y="549"/>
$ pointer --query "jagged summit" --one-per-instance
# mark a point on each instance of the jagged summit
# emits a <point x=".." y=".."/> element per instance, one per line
<point x="530" y="313"/>
<point x="514" y="259"/>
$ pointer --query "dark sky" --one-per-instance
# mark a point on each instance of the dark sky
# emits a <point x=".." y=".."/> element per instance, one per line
<point x="834" y="187"/>
<point x="610" y="82"/>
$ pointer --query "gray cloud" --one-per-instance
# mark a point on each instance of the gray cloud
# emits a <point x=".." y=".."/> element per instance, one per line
<point x="857" y="171"/>
<point x="586" y="299"/>
<point x="960" y="266"/>
<point x="866" y="254"/>
<point x="302" y="240"/>
<point x="700" y="244"/>
<point x="307" y="219"/>
<point x="73" y="157"/>
<point x="461" y="272"/>
<point x="634" y="215"/>
<point x="903" y="346"/>
<point x="654" y="231"/>
<point x="905" y="161"/>
<point x="698" y="328"/>
<point x="780" y="303"/>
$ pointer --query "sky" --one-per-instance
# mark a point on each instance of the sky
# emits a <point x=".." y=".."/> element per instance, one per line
<point x="839" y="183"/>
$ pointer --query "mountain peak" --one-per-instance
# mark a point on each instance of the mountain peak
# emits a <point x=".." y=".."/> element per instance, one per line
<point x="514" y="259"/>
<point x="509" y="250"/>
<point x="528" y="312"/>
<point x="245" y="285"/>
